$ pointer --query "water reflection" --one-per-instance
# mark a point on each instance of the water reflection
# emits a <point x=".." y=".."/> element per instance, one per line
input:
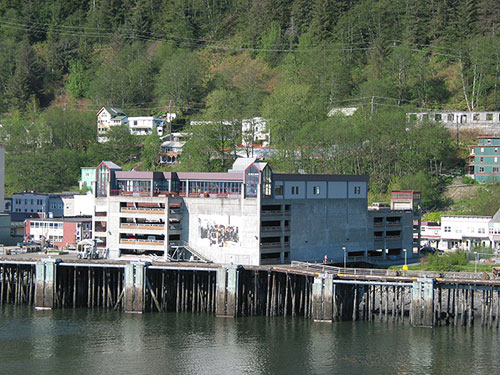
<point x="98" y="342"/>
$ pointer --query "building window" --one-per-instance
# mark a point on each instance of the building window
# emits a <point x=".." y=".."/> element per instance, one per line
<point x="316" y="190"/>
<point x="496" y="149"/>
<point x="495" y="169"/>
<point x="295" y="190"/>
<point x="447" y="229"/>
<point x="495" y="159"/>
<point x="476" y="116"/>
<point x="481" y="159"/>
<point x="451" y="117"/>
<point x="489" y="117"/>
<point x="481" y="169"/>
<point x="278" y="190"/>
<point x="357" y="190"/>
<point x="482" y="149"/>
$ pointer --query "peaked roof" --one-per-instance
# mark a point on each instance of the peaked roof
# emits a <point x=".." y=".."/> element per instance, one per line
<point x="496" y="217"/>
<point x="240" y="164"/>
<point x="111" y="165"/>
<point x="113" y="111"/>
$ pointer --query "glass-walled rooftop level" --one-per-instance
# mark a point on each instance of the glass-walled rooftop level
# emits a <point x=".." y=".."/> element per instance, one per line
<point x="202" y="188"/>
<point x="152" y="188"/>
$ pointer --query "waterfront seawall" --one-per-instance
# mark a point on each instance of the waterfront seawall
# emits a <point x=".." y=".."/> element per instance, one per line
<point x="318" y="292"/>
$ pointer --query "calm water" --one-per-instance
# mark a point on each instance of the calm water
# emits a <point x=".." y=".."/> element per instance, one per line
<point x="93" y="342"/>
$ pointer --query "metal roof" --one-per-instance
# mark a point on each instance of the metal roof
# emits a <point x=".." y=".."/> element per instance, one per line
<point x="319" y="177"/>
<point x="111" y="165"/>
<point x="207" y="176"/>
<point x="134" y="175"/>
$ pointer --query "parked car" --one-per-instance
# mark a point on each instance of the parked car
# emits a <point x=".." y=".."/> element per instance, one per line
<point x="428" y="250"/>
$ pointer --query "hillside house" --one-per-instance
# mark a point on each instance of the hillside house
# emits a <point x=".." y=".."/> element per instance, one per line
<point x="171" y="148"/>
<point x="145" y="125"/>
<point x="484" y="164"/>
<point x="107" y="117"/>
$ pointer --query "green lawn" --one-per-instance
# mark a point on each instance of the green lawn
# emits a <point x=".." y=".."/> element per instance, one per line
<point x="456" y="262"/>
<point x="455" y="268"/>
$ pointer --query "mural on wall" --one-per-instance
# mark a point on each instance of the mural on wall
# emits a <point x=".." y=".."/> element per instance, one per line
<point x="218" y="231"/>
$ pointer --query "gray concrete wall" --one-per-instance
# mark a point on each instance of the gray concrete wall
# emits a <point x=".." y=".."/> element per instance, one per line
<point x="322" y="227"/>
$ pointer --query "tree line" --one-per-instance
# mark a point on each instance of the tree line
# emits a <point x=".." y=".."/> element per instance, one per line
<point x="290" y="61"/>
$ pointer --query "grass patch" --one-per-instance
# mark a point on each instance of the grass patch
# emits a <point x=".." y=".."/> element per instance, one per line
<point x="455" y="262"/>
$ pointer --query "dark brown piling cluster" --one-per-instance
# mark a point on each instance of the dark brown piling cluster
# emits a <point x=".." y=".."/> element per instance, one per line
<point x="17" y="284"/>
<point x="273" y="293"/>
<point x="466" y="305"/>
<point x="92" y="287"/>
<point x="235" y="291"/>
<point x="180" y="291"/>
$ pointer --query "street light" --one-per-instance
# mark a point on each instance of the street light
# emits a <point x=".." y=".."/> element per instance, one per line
<point x="475" y="258"/>
<point x="405" y="267"/>
<point x="345" y="256"/>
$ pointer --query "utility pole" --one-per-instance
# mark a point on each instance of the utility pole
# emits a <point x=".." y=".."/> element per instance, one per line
<point x="170" y="122"/>
<point x="372" y="104"/>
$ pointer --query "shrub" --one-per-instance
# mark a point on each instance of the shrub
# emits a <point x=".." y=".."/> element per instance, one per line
<point x="448" y="261"/>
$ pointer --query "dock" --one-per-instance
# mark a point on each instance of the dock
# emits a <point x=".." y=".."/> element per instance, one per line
<point x="320" y="292"/>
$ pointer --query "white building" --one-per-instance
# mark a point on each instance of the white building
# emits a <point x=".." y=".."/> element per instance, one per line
<point x="145" y="125"/>
<point x="254" y="131"/>
<point x="107" y="117"/>
<point x="249" y="215"/>
<point x="486" y="122"/>
<point x="465" y="232"/>
<point x="346" y="111"/>
<point x="78" y="205"/>
<point x="171" y="148"/>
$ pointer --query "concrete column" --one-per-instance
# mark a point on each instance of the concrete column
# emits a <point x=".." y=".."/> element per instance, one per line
<point x="422" y="303"/>
<point x="227" y="292"/>
<point x="322" y="298"/>
<point x="134" y="287"/>
<point x="45" y="280"/>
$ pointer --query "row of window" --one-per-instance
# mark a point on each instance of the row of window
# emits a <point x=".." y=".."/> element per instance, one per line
<point x="495" y="159"/>
<point x="50" y="225"/>
<point x="39" y="202"/>
<point x="494" y="170"/>
<point x="494" y="149"/>
<point x="450" y="117"/>
<point x="278" y="190"/>
<point x="212" y="187"/>
<point x="469" y="230"/>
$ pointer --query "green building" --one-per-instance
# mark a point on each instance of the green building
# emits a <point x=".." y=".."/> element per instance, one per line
<point x="87" y="178"/>
<point x="484" y="164"/>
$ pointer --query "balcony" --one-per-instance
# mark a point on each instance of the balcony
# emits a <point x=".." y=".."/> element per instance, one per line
<point x="100" y="228"/>
<point x="143" y="210"/>
<point x="393" y="223"/>
<point x="271" y="229"/>
<point x="133" y="241"/>
<point x="148" y="193"/>
<point x="392" y="238"/>
<point x="273" y="245"/>
<point x="158" y="226"/>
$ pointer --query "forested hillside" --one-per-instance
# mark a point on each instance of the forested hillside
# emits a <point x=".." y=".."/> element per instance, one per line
<point x="288" y="60"/>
